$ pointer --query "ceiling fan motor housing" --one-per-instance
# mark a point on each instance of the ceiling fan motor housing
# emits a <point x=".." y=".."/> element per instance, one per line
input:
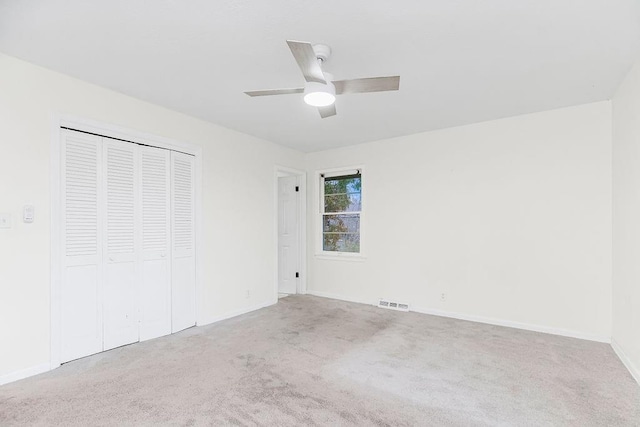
<point x="322" y="51"/>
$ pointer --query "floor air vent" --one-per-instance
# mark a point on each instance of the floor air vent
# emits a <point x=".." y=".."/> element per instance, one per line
<point x="392" y="305"/>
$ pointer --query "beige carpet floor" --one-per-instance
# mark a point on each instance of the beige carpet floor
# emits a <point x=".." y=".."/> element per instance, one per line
<point x="315" y="361"/>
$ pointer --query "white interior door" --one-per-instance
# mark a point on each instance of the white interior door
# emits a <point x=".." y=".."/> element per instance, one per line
<point x="120" y="288"/>
<point x="155" y="284"/>
<point x="288" y="255"/>
<point x="183" y="265"/>
<point x="80" y="289"/>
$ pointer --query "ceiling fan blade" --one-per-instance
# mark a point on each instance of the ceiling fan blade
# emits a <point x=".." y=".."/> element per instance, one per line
<point x="370" y="84"/>
<point x="307" y="61"/>
<point x="268" y="92"/>
<point x="328" y="111"/>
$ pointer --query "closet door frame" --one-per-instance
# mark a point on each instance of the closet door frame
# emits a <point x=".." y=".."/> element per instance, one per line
<point x="60" y="121"/>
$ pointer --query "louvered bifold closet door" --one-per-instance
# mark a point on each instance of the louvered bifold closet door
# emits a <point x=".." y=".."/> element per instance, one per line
<point x="121" y="276"/>
<point x="80" y="289"/>
<point x="183" y="266"/>
<point x="155" y="292"/>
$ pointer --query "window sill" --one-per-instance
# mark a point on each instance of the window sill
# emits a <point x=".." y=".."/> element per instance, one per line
<point x="341" y="257"/>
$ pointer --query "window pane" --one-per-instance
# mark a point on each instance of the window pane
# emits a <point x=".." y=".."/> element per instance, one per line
<point x="342" y="184"/>
<point x="347" y="202"/>
<point x="338" y="242"/>
<point x="348" y="223"/>
<point x="341" y="231"/>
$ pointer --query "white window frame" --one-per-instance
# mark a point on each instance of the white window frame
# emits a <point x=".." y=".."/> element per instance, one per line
<point x="328" y="173"/>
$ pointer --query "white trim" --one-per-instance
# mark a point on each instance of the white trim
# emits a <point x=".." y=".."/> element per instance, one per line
<point x="330" y="173"/>
<point x="280" y="171"/>
<point x="341" y="256"/>
<point x="340" y="170"/>
<point x="482" y="319"/>
<point x="340" y="297"/>
<point x="56" y="243"/>
<point x="515" y="325"/>
<point x="318" y="208"/>
<point x="235" y="313"/>
<point x="114" y="131"/>
<point x="24" y="373"/>
<point x="633" y="370"/>
<point x="200" y="286"/>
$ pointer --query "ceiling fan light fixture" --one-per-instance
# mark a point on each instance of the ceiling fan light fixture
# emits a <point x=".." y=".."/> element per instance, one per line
<point x="320" y="89"/>
<point x="319" y="99"/>
<point x="319" y="95"/>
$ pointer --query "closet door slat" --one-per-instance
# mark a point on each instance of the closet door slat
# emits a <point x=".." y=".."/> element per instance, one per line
<point x="183" y="232"/>
<point x="121" y="279"/>
<point x="81" y="233"/>
<point x="155" y="291"/>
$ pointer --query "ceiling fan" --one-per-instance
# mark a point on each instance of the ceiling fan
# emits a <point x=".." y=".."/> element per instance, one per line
<point x="320" y="90"/>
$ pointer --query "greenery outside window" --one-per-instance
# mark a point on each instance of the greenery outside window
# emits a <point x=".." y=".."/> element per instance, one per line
<point x="341" y="210"/>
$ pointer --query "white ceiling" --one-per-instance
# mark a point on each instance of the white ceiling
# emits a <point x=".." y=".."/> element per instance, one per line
<point x="460" y="61"/>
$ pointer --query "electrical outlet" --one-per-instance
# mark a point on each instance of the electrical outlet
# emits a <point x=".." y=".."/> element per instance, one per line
<point x="5" y="220"/>
<point x="27" y="213"/>
<point x="443" y="297"/>
<point x="248" y="294"/>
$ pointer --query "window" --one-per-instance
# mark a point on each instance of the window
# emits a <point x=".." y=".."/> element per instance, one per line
<point x="341" y="210"/>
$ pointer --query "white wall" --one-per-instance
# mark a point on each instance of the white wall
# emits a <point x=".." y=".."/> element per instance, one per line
<point x="626" y="221"/>
<point x="511" y="219"/>
<point x="238" y="202"/>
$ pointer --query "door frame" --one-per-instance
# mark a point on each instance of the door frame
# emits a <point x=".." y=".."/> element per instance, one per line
<point x="280" y="171"/>
<point x="113" y="131"/>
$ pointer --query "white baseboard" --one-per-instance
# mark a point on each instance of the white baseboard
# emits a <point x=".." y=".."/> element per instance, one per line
<point x="516" y="325"/>
<point x="339" y="297"/>
<point x="24" y="373"/>
<point x="45" y="367"/>
<point x="482" y="319"/>
<point x="235" y="313"/>
<point x="634" y="370"/>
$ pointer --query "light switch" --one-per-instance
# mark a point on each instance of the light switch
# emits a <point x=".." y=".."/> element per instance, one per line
<point x="28" y="213"/>
<point x="5" y="220"/>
